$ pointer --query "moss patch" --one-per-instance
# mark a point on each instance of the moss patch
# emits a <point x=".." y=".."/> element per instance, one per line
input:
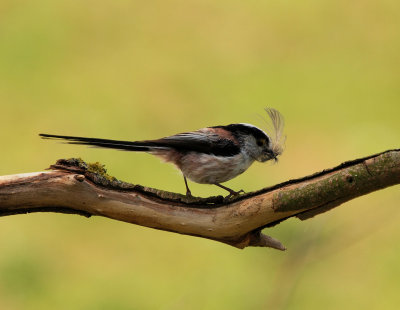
<point x="101" y="170"/>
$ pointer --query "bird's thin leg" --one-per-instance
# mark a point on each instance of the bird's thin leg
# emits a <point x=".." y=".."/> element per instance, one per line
<point x="231" y="191"/>
<point x="188" y="192"/>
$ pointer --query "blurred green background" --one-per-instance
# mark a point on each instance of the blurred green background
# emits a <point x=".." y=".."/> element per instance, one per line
<point x="146" y="69"/>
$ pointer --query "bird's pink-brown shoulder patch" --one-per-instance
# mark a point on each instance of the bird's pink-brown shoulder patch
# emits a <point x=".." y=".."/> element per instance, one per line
<point x="222" y="133"/>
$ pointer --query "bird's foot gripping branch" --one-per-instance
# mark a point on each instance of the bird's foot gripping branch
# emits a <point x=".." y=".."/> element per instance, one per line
<point x="72" y="186"/>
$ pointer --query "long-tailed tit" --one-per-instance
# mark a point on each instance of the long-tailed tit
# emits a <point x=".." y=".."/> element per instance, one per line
<point x="210" y="155"/>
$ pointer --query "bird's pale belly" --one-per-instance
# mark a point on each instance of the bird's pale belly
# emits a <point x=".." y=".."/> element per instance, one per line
<point x="211" y="169"/>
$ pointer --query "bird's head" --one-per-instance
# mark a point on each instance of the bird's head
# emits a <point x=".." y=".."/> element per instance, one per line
<point x="262" y="145"/>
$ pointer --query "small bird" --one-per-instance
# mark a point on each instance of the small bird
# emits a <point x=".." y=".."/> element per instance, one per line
<point x="210" y="155"/>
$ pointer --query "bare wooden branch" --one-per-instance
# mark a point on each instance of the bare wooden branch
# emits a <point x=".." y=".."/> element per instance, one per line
<point x="72" y="186"/>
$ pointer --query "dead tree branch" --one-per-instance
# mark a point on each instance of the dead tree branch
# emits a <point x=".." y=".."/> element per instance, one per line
<point x="72" y="186"/>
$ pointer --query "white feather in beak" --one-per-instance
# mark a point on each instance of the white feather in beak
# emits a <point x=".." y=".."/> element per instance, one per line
<point x="275" y="131"/>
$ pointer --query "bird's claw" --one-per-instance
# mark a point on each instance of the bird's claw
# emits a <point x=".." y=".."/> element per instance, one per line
<point x="233" y="194"/>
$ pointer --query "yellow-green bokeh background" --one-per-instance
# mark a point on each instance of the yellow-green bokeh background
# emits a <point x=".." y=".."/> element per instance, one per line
<point x="145" y="69"/>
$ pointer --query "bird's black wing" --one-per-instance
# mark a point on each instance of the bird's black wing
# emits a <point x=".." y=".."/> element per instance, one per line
<point x="199" y="141"/>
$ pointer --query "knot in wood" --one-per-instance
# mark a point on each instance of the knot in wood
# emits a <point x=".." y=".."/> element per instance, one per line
<point x="349" y="178"/>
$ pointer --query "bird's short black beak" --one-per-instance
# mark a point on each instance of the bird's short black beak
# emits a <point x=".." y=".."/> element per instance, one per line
<point x="272" y="155"/>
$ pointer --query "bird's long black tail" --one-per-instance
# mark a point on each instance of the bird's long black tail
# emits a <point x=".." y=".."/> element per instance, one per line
<point x="103" y="143"/>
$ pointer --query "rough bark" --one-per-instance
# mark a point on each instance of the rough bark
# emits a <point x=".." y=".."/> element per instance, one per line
<point x="72" y="186"/>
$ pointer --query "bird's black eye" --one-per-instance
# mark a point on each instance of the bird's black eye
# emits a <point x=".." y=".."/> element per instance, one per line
<point x="260" y="142"/>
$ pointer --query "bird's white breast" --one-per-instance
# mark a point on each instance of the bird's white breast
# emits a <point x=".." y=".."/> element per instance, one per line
<point x="211" y="169"/>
